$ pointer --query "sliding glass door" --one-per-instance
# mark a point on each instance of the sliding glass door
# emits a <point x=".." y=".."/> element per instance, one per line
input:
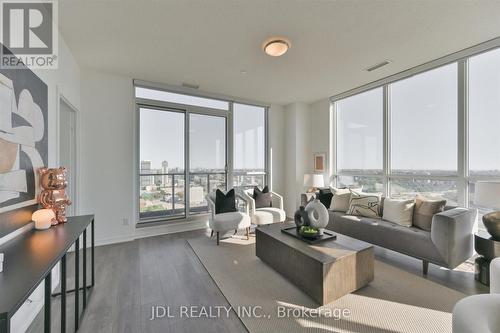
<point x="161" y="169"/>
<point x="207" y="159"/>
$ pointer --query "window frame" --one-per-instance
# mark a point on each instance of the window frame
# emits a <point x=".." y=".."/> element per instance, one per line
<point x="187" y="109"/>
<point x="463" y="178"/>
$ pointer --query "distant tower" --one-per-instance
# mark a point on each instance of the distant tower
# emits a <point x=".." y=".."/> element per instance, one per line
<point x="164" y="171"/>
<point x="146" y="168"/>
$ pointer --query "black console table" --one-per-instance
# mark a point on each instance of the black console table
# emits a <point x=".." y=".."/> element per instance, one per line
<point x="488" y="249"/>
<point x="29" y="260"/>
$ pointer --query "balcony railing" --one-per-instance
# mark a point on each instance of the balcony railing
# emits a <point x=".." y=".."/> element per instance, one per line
<point x="162" y="195"/>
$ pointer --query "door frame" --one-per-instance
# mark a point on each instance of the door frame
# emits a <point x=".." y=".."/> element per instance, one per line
<point x="187" y="110"/>
<point x="61" y="98"/>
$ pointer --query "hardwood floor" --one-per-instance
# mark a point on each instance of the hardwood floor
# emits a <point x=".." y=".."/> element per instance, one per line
<point x="163" y="271"/>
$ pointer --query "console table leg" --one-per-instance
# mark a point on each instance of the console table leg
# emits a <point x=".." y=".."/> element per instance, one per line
<point x="77" y="282"/>
<point x="84" y="268"/>
<point x="4" y="326"/>
<point x="47" y="301"/>
<point x="425" y="267"/>
<point x="63" y="294"/>
<point x="92" y="251"/>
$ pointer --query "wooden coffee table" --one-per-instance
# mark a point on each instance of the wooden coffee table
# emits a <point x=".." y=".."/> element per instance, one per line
<point x="325" y="271"/>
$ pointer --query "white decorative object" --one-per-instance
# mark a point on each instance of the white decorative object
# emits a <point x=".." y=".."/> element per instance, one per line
<point x="1" y="262"/>
<point x="43" y="218"/>
<point x="318" y="215"/>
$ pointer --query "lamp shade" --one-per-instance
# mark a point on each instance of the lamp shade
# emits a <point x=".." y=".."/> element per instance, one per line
<point x="313" y="180"/>
<point x="43" y="218"/>
<point x="487" y="194"/>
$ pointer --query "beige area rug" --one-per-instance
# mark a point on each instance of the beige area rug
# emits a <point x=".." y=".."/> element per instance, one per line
<point x="396" y="301"/>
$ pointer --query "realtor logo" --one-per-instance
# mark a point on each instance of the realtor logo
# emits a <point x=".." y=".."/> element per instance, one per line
<point x="29" y="32"/>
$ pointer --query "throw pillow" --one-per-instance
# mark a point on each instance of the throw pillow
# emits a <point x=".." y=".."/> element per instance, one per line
<point x="364" y="204"/>
<point x="399" y="211"/>
<point x="340" y="199"/>
<point x="424" y="210"/>
<point x="325" y="196"/>
<point x="262" y="198"/>
<point x="225" y="203"/>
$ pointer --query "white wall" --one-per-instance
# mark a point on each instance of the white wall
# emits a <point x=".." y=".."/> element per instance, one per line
<point x="298" y="154"/>
<point x="276" y="147"/>
<point x="108" y="127"/>
<point x="320" y="133"/>
<point x="107" y="155"/>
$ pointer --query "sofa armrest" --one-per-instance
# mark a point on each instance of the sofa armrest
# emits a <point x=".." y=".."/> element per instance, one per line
<point x="306" y="198"/>
<point x="276" y="197"/>
<point x="495" y="276"/>
<point x="451" y="233"/>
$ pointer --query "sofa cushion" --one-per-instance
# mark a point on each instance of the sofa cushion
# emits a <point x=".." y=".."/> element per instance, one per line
<point x="399" y="211"/>
<point x="230" y="221"/>
<point x="268" y="215"/>
<point x="424" y="210"/>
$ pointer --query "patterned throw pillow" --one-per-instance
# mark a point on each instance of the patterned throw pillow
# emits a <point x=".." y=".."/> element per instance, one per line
<point x="364" y="204"/>
<point x="341" y="198"/>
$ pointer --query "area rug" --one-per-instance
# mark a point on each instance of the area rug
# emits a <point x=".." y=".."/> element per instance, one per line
<point x="396" y="301"/>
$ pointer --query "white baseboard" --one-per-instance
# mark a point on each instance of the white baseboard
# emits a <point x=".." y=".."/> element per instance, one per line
<point x="152" y="231"/>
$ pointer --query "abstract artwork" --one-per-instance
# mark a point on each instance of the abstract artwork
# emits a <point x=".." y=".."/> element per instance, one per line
<point x="23" y="137"/>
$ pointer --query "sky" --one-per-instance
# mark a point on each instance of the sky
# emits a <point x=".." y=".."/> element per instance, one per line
<point x="424" y="121"/>
<point x="162" y="139"/>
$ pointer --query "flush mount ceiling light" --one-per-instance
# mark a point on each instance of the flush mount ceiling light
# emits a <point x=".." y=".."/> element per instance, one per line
<point x="276" y="46"/>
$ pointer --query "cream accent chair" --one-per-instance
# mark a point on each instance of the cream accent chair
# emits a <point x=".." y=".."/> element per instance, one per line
<point x="224" y="222"/>
<point x="265" y="215"/>
<point x="480" y="313"/>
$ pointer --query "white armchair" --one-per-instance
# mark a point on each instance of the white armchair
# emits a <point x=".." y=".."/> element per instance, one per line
<point x="480" y="313"/>
<point x="265" y="215"/>
<point x="224" y="222"/>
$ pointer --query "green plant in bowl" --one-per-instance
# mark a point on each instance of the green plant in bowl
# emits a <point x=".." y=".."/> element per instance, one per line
<point x="308" y="231"/>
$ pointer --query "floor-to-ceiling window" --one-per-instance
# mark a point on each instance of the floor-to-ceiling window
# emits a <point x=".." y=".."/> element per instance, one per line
<point x="249" y="145"/>
<point x="433" y="132"/>
<point x="189" y="147"/>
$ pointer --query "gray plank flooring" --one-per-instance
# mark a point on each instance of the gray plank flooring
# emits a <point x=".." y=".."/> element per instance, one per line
<point x="163" y="270"/>
<point x="134" y="276"/>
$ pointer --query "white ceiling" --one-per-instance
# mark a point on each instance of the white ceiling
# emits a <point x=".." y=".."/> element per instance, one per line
<point x="209" y="42"/>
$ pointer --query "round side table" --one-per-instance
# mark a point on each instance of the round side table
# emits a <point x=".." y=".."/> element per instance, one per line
<point x="488" y="249"/>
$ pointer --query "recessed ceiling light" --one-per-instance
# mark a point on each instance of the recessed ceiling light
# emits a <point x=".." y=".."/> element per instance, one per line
<point x="276" y="46"/>
<point x="243" y="71"/>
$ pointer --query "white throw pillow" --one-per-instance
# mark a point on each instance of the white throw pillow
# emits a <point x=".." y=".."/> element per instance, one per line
<point x="399" y="211"/>
<point x="364" y="204"/>
<point x="340" y="200"/>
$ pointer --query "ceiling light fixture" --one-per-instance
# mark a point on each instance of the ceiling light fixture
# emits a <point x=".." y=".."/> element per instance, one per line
<point x="276" y="46"/>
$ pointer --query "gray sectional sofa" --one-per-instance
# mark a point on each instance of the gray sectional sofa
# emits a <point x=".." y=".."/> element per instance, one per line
<point x="448" y="244"/>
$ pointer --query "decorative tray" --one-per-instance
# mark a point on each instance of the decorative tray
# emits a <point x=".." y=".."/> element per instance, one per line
<point x="294" y="232"/>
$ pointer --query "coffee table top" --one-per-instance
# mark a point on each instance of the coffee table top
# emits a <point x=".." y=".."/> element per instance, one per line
<point x="325" y="252"/>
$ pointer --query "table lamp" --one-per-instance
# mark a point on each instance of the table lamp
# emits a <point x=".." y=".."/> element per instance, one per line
<point x="487" y="195"/>
<point x="43" y="218"/>
<point x="313" y="181"/>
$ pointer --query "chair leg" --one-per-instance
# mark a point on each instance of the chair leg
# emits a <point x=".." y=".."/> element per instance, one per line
<point x="235" y="231"/>
<point x="425" y="267"/>
<point x="212" y="234"/>
<point x="248" y="233"/>
<point x="217" y="238"/>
